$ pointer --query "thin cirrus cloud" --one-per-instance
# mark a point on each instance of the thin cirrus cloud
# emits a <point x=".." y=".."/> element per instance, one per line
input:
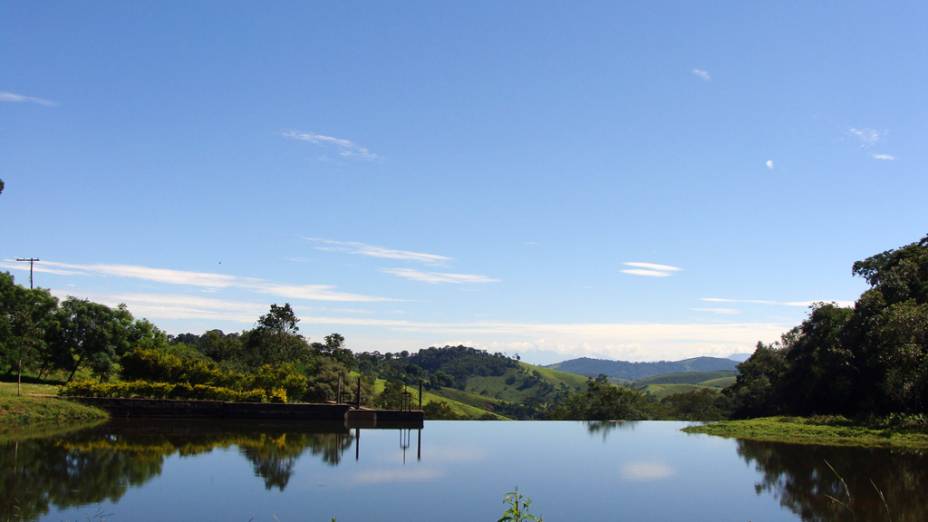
<point x="769" y="164"/>
<point x="435" y="278"/>
<point x="718" y="310"/>
<point x="627" y="341"/>
<point x="646" y="269"/>
<point x="206" y="280"/>
<point x="798" y="304"/>
<point x="12" y="97"/>
<point x="345" y="147"/>
<point x="702" y="74"/>
<point x="866" y="137"/>
<point x="884" y="157"/>
<point x="364" y="249"/>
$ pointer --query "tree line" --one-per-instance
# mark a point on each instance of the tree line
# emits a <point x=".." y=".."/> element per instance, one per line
<point x="869" y="360"/>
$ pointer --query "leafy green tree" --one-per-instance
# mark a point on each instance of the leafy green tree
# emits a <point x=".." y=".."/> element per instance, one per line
<point x="92" y="335"/>
<point x="820" y="376"/>
<point x="889" y="330"/>
<point x="393" y="395"/>
<point x="702" y="405"/>
<point x="756" y="390"/>
<point x="219" y="346"/>
<point x="276" y="339"/>
<point x="872" y="359"/>
<point x="604" y="400"/>
<point x="24" y="317"/>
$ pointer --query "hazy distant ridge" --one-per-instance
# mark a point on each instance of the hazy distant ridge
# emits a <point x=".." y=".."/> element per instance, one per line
<point x="633" y="371"/>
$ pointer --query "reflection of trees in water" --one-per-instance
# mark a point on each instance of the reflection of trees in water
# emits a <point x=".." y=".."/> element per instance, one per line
<point x="101" y="464"/>
<point x="799" y="477"/>
<point x="36" y="473"/>
<point x="274" y="456"/>
<point x="607" y="427"/>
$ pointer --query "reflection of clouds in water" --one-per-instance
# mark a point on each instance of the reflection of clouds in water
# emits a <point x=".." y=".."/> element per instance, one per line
<point x="644" y="471"/>
<point x="381" y="476"/>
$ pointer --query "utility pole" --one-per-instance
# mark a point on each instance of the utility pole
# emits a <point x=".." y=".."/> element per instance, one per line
<point x="31" y="261"/>
<point x="19" y="373"/>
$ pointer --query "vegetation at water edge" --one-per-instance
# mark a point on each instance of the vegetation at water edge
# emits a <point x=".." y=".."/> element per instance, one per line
<point x="894" y="431"/>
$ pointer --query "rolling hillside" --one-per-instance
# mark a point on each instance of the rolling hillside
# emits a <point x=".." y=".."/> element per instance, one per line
<point x="690" y="378"/>
<point x="635" y="371"/>
<point x="475" y="383"/>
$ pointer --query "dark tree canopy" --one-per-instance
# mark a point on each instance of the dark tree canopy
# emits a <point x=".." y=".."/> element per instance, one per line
<point x="866" y="360"/>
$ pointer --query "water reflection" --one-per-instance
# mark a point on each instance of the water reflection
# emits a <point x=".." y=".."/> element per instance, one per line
<point x="102" y="463"/>
<point x="606" y="427"/>
<point x="801" y="479"/>
<point x="307" y="472"/>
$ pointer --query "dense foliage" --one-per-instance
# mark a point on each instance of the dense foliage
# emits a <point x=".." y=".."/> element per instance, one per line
<point x="868" y="360"/>
<point x="46" y="338"/>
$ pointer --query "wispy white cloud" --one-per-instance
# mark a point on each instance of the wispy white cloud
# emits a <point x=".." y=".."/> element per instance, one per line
<point x="10" y="264"/>
<point x="866" y="137"/>
<point x="364" y="249"/>
<point x="627" y="341"/>
<point x="702" y="74"/>
<point x="884" y="157"/>
<point x="653" y="266"/>
<point x="346" y="148"/>
<point x="645" y="273"/>
<point x="210" y="280"/>
<point x="439" y="277"/>
<point x="799" y="304"/>
<point x="12" y="97"/>
<point x="718" y="311"/>
<point x="312" y="293"/>
<point x="769" y="164"/>
<point x="646" y="269"/>
<point x="174" y="306"/>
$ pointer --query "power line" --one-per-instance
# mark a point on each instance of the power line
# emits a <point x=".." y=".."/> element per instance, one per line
<point x="31" y="261"/>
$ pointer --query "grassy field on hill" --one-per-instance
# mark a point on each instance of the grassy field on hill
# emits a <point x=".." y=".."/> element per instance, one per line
<point x="524" y="383"/>
<point x="669" y="384"/>
<point x="721" y="382"/>
<point x="29" y="412"/>
<point x="687" y="378"/>
<point x="665" y="390"/>
<point x="459" y="408"/>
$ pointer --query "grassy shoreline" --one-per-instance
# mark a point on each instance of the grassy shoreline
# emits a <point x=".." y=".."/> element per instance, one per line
<point x="824" y="431"/>
<point x="29" y="412"/>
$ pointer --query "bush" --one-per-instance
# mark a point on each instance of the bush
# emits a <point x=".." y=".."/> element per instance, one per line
<point x="285" y="378"/>
<point x="162" y="366"/>
<point x="164" y="390"/>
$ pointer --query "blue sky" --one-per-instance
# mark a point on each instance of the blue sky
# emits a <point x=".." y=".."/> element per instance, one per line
<point x="420" y="174"/>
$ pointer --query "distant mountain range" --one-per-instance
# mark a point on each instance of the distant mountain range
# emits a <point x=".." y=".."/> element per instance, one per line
<point x="633" y="371"/>
<point x="740" y="357"/>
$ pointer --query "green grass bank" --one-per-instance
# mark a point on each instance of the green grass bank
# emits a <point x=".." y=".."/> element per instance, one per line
<point x="827" y="431"/>
<point x="28" y="412"/>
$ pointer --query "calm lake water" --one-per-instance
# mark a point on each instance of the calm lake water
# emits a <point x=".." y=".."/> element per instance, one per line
<point x="573" y="471"/>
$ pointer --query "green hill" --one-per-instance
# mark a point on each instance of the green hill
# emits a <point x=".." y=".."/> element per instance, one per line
<point x="483" y="382"/>
<point x="664" y="390"/>
<point x="687" y="377"/>
<point x="634" y="371"/>
<point x="721" y="382"/>
<point x="459" y="408"/>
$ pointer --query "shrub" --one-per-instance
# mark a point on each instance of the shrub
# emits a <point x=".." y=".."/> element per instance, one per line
<point x="162" y="390"/>
<point x="278" y="395"/>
